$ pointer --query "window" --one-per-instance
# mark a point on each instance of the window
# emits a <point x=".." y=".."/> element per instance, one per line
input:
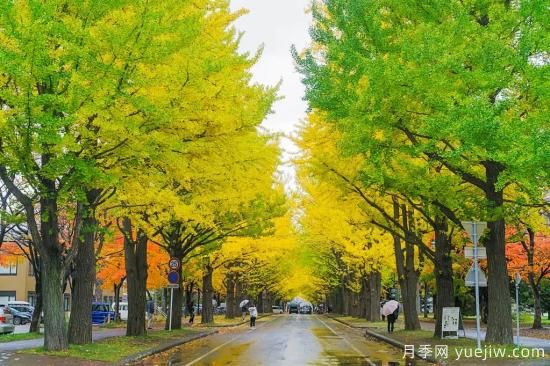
<point x="6" y="296"/>
<point x="8" y="269"/>
<point x="31" y="270"/>
<point x="31" y="298"/>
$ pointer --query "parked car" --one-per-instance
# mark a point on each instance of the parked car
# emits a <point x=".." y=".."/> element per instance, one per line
<point x="122" y="310"/>
<point x="6" y="321"/>
<point x="277" y="309"/>
<point x="293" y="308"/>
<point x="21" y="306"/>
<point x="101" y="313"/>
<point x="220" y="309"/>
<point x="306" y="309"/>
<point x="20" y="317"/>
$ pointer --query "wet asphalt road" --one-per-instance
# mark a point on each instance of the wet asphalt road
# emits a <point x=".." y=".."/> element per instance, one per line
<point x="283" y="340"/>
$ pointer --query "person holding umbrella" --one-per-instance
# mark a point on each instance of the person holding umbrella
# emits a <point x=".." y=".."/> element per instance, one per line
<point x="242" y="305"/>
<point x="253" y="315"/>
<point x="391" y="311"/>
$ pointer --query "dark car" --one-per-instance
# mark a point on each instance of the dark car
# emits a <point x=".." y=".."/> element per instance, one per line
<point x="306" y="309"/>
<point x="293" y="308"/>
<point x="20" y="317"/>
<point x="101" y="313"/>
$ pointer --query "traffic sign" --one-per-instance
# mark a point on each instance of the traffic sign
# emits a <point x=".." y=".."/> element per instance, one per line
<point x="173" y="285"/>
<point x="474" y="229"/>
<point x="173" y="277"/>
<point x="174" y="264"/>
<point x="517" y="279"/>
<point x="481" y="252"/>
<point x="470" y="279"/>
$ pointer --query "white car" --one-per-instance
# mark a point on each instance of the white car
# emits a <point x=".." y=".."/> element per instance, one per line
<point x="6" y="321"/>
<point x="277" y="309"/>
<point x="122" y="309"/>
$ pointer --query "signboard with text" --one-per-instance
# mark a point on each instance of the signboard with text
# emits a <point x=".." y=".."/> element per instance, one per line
<point x="450" y="320"/>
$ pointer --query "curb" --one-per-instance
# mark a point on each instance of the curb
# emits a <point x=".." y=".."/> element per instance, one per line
<point x="397" y="344"/>
<point x="163" y="347"/>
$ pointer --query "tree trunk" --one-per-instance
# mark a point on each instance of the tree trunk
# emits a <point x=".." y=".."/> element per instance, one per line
<point x="409" y="287"/>
<point x="375" y="290"/>
<point x="537" y="320"/>
<point x="535" y="286"/>
<point x="229" y="296"/>
<point x="37" y="313"/>
<point x="83" y="277"/>
<point x="499" y="324"/>
<point x="443" y="273"/>
<point x="364" y="299"/>
<point x="238" y="295"/>
<point x="268" y="303"/>
<point x="135" y="252"/>
<point x="176" y="310"/>
<point x="341" y="299"/>
<point x="55" y="336"/>
<point x="407" y="275"/>
<point x="207" y="314"/>
<point x="260" y="303"/>
<point x="53" y="271"/>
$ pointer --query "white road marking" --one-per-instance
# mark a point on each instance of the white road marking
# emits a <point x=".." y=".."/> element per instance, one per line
<point x="222" y="345"/>
<point x="348" y="342"/>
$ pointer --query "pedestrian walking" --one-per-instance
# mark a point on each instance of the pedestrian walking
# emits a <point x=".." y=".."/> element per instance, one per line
<point x="243" y="312"/>
<point x="150" y="313"/>
<point x="191" y="311"/>
<point x="391" y="311"/>
<point x="253" y="315"/>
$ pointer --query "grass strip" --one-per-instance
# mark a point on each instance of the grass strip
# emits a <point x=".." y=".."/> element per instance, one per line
<point x="116" y="348"/>
<point x="19" y="337"/>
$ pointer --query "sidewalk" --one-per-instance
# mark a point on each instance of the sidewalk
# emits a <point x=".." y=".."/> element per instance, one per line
<point x="472" y="334"/>
<point x="39" y="342"/>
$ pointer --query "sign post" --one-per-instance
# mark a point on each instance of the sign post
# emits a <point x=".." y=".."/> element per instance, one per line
<point x="474" y="230"/>
<point x="173" y="279"/>
<point x="450" y="319"/>
<point x="518" y="281"/>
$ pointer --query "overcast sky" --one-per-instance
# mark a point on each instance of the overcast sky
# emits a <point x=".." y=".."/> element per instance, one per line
<point x="278" y="24"/>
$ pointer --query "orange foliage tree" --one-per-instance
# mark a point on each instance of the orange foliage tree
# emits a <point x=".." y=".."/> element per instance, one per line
<point x="528" y="254"/>
<point x="111" y="269"/>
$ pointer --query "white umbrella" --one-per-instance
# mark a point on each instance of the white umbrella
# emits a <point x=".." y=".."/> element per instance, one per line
<point x="243" y="303"/>
<point x="389" y="307"/>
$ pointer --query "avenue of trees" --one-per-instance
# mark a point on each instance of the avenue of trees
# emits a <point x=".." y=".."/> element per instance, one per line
<point x="129" y="133"/>
<point x="423" y="116"/>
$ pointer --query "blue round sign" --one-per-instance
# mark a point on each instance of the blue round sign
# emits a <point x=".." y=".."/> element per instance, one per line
<point x="173" y="277"/>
